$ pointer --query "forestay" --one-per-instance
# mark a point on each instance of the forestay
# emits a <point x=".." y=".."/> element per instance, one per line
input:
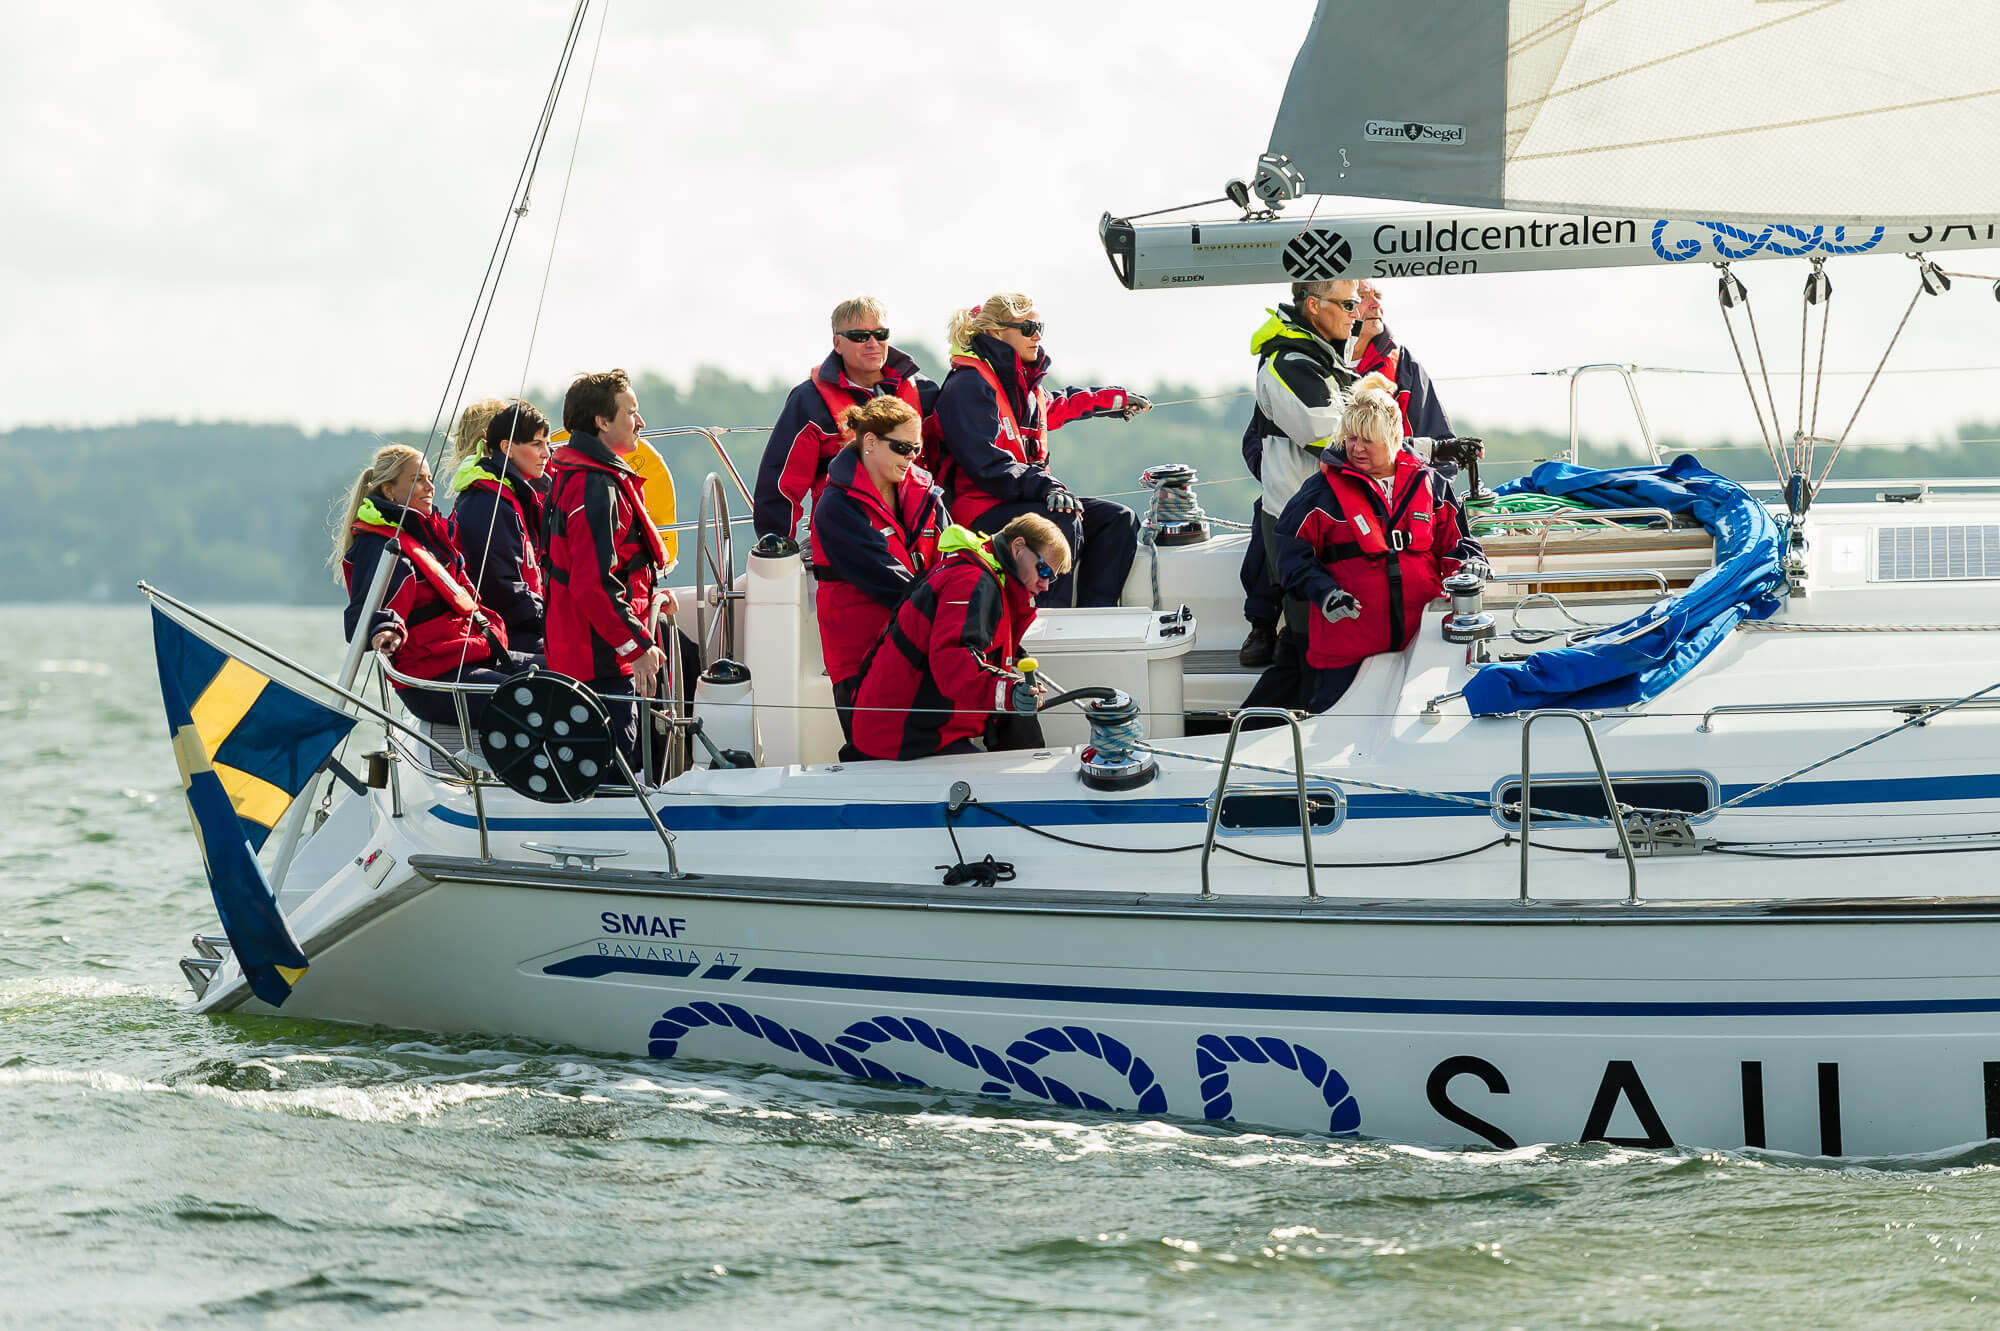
<point x="1636" y="660"/>
<point x="1823" y="111"/>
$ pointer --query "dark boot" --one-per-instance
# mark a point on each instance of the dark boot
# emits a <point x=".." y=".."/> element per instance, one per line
<point x="1259" y="646"/>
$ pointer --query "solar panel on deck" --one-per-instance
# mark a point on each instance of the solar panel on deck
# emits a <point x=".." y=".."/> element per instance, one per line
<point x="1937" y="553"/>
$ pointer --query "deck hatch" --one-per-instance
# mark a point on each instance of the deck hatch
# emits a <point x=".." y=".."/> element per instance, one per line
<point x="1937" y="552"/>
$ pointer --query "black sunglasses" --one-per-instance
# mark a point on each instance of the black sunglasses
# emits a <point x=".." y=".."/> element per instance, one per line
<point x="1027" y="327"/>
<point x="863" y="334"/>
<point x="901" y="447"/>
<point x="1043" y="571"/>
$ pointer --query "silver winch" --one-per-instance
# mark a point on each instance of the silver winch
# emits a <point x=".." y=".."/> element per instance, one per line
<point x="1469" y="620"/>
<point x="1113" y="759"/>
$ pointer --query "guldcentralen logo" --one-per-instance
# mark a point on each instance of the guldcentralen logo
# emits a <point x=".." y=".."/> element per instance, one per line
<point x="1316" y="254"/>
<point x="1413" y="131"/>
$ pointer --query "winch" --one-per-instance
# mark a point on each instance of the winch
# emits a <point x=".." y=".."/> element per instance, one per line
<point x="1469" y="620"/>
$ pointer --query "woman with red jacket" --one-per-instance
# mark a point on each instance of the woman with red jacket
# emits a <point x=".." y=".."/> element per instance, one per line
<point x="995" y="418"/>
<point x="875" y="531"/>
<point x="496" y="521"/>
<point x="430" y="623"/>
<point x="1367" y="542"/>
<point x="943" y="672"/>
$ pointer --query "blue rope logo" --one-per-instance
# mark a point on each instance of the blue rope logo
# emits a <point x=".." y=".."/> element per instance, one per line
<point x="1023" y="1066"/>
<point x="1733" y="242"/>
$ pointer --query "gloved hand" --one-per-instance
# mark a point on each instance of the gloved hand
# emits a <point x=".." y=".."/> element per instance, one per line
<point x="1478" y="567"/>
<point x="1136" y="404"/>
<point x="1062" y="501"/>
<point x="1340" y="605"/>
<point x="1021" y="697"/>
<point x="1458" y="450"/>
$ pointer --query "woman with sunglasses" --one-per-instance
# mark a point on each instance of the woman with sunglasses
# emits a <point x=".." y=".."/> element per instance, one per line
<point x="807" y="437"/>
<point x="875" y="531"/>
<point x="497" y="520"/>
<point x="994" y="417"/>
<point x="943" y="674"/>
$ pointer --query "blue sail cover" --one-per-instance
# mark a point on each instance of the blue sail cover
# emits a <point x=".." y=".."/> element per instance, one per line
<point x="1636" y="660"/>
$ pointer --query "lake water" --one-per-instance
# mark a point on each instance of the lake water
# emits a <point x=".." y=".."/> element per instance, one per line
<point x="160" y="1168"/>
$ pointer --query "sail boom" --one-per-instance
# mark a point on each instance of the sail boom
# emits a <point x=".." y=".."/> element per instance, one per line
<point x="1167" y="255"/>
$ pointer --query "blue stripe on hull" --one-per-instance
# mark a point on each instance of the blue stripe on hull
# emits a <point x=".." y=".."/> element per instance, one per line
<point x="1086" y="813"/>
<point x="592" y="967"/>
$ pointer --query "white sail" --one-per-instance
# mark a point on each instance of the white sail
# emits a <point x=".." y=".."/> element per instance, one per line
<point x="1831" y="111"/>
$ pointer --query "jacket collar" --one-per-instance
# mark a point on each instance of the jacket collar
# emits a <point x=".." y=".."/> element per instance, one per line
<point x="898" y="370"/>
<point x="587" y="450"/>
<point x="1285" y="325"/>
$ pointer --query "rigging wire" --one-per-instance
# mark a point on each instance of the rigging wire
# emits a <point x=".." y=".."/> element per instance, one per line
<point x="1902" y="323"/>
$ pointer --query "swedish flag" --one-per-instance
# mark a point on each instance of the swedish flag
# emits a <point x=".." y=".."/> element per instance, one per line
<point x="246" y="746"/>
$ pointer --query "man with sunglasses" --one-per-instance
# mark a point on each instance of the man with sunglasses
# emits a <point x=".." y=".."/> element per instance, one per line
<point x="1303" y="379"/>
<point x="807" y="437"/>
<point x="942" y="674"/>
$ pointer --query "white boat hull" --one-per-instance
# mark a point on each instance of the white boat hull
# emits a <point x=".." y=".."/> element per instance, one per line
<point x="1835" y="1028"/>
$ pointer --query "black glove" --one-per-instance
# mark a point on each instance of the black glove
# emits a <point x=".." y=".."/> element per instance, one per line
<point x="1021" y="697"/>
<point x="1060" y="500"/>
<point x="1338" y="605"/>
<point x="1135" y="404"/>
<point x="1458" y="451"/>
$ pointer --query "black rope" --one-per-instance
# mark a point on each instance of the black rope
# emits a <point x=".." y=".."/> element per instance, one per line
<point x="1248" y="855"/>
<point x="986" y="873"/>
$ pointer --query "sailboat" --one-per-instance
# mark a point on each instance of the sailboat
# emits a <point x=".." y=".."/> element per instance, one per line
<point x="1676" y="830"/>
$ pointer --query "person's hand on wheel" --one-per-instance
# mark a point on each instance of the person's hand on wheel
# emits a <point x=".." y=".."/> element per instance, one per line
<point x="646" y="671"/>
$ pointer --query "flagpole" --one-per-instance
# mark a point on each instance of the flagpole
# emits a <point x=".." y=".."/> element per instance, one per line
<point x="345" y="694"/>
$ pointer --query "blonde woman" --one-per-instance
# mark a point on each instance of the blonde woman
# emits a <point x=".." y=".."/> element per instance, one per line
<point x="1366" y="543"/>
<point x="995" y="418"/>
<point x="430" y="623"/>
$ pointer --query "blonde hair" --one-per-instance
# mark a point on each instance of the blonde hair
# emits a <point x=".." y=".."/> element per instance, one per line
<point x="1043" y="537"/>
<point x="845" y="313"/>
<point x="1002" y="305"/>
<point x="468" y="437"/>
<point x="382" y="469"/>
<point x="876" y="416"/>
<point x="1373" y="412"/>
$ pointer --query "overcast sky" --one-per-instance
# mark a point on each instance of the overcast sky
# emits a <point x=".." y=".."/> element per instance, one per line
<point x="249" y="210"/>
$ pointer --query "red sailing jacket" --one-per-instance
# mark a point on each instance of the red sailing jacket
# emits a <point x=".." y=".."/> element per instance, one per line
<point x="807" y="436"/>
<point x="995" y="441"/>
<point x="442" y="621"/>
<point x="865" y="556"/>
<point x="603" y="558"/>
<point x="496" y="522"/>
<point x="942" y="666"/>
<point x="1391" y="556"/>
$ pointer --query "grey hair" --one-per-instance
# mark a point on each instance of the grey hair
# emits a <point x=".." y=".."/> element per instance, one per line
<point x="845" y="313"/>
<point x="1319" y="290"/>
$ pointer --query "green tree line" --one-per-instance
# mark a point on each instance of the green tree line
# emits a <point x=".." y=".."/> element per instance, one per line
<point x="224" y="511"/>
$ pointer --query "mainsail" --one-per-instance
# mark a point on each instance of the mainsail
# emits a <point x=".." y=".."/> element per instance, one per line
<point x="1821" y="111"/>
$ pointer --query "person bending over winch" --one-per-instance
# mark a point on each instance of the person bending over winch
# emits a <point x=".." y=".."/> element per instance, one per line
<point x="994" y="417"/>
<point x="875" y="531"/>
<point x="430" y="623"/>
<point x="943" y="671"/>
<point x="807" y="437"/>
<point x="1367" y="543"/>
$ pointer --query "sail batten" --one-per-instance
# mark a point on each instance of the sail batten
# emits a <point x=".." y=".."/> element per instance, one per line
<point x="1856" y="111"/>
